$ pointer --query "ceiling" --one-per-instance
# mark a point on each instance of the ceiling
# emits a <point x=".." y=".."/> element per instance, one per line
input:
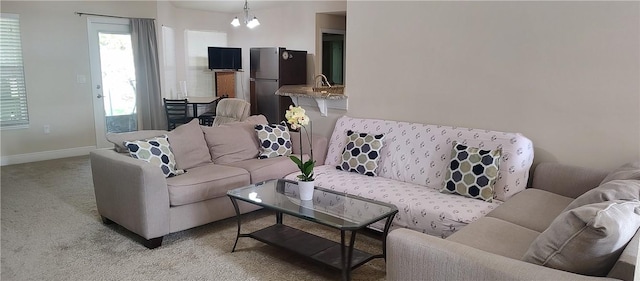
<point x="227" y="6"/>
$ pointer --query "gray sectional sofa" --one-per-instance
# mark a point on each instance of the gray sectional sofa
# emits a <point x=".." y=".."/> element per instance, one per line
<point x="500" y="240"/>
<point x="503" y="245"/>
<point x="136" y="195"/>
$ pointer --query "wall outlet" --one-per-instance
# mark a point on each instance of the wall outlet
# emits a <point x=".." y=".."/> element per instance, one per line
<point x="47" y="129"/>
<point x="81" y="79"/>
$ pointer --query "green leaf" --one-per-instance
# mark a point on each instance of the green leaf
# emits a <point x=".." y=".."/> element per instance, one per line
<point x="307" y="167"/>
<point x="297" y="161"/>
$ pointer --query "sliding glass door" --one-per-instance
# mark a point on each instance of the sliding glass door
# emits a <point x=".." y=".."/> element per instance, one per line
<point x="113" y="77"/>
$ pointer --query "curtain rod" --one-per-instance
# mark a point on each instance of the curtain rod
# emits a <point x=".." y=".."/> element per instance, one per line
<point x="110" y="16"/>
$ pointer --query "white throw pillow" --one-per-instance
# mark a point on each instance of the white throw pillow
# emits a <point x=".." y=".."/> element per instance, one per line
<point x="588" y="239"/>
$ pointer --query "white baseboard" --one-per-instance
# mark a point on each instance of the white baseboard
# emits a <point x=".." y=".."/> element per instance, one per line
<point x="45" y="155"/>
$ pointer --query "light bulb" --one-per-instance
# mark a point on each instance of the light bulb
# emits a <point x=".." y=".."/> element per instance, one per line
<point x="253" y="23"/>
<point x="235" y="22"/>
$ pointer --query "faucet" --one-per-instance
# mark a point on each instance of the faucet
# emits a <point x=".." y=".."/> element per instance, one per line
<point x="325" y="82"/>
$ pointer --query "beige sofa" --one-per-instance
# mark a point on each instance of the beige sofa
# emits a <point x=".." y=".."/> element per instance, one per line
<point x="493" y="247"/>
<point x="136" y="195"/>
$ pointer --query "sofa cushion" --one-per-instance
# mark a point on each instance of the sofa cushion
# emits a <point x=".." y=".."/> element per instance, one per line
<point x="588" y="239"/>
<point x="118" y="139"/>
<point x="608" y="191"/>
<point x="205" y="182"/>
<point x="231" y="143"/>
<point x="472" y="172"/>
<point x="496" y="236"/>
<point x="188" y="145"/>
<point x="628" y="171"/>
<point x="532" y="208"/>
<point x="420" y="208"/>
<point x="361" y="153"/>
<point x="266" y="169"/>
<point x="157" y="152"/>
<point x="274" y="140"/>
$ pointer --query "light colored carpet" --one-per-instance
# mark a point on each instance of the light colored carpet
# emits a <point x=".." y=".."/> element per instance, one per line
<point x="51" y="231"/>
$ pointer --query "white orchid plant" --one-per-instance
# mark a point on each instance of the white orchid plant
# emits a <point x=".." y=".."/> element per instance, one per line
<point x="298" y="119"/>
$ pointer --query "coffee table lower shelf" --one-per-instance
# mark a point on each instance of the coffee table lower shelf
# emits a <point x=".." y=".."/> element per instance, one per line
<point x="306" y="244"/>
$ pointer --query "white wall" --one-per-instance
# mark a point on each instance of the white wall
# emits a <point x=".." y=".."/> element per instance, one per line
<point x="565" y="74"/>
<point x="180" y="20"/>
<point x="55" y="50"/>
<point x="291" y="25"/>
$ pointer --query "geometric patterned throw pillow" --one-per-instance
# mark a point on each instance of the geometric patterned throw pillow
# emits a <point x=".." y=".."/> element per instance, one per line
<point x="275" y="140"/>
<point x="361" y="153"/>
<point x="155" y="151"/>
<point x="472" y="172"/>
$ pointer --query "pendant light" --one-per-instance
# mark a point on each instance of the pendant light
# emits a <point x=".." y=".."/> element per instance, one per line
<point x="249" y="21"/>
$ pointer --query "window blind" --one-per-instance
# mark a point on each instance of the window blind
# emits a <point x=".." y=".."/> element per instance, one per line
<point x="13" y="92"/>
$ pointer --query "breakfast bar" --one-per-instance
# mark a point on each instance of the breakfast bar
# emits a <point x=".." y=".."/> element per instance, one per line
<point x="306" y="91"/>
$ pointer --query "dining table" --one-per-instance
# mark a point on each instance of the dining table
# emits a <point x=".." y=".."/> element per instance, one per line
<point x="195" y="101"/>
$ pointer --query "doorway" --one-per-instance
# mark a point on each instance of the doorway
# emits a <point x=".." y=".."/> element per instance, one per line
<point x="113" y="77"/>
<point x="333" y="56"/>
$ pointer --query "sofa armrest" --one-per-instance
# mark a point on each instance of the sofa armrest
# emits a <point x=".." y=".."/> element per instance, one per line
<point x="131" y="192"/>
<point x="412" y="255"/>
<point x="566" y="180"/>
<point x="320" y="144"/>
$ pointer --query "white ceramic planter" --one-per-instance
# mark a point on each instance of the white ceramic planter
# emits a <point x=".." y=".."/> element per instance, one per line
<point x="306" y="189"/>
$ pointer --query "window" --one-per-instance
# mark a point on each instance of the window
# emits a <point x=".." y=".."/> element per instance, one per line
<point x="13" y="93"/>
<point x="199" y="79"/>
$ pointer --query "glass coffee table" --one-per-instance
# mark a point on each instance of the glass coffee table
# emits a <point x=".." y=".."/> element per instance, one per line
<point x="345" y="212"/>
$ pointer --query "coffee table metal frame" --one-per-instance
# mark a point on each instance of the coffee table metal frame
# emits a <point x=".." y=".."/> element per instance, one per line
<point x="341" y="256"/>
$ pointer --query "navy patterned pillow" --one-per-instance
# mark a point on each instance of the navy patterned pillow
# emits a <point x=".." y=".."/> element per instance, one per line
<point x="472" y="172"/>
<point x="361" y="153"/>
<point x="275" y="140"/>
<point x="155" y="151"/>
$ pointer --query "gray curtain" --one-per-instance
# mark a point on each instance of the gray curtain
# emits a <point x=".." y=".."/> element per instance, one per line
<point x="145" y="56"/>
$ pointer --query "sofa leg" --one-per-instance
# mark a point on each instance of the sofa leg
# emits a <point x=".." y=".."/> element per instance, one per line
<point x="105" y="220"/>
<point x="152" y="243"/>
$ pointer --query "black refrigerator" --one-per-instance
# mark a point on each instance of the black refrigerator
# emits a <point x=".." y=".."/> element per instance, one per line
<point x="271" y="68"/>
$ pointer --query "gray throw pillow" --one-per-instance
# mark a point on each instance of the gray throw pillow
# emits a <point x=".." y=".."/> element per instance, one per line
<point x="629" y="171"/>
<point x="232" y="142"/>
<point x="188" y="145"/>
<point x="588" y="239"/>
<point x="608" y="191"/>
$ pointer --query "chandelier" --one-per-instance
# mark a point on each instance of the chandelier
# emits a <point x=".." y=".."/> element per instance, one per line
<point x="249" y="21"/>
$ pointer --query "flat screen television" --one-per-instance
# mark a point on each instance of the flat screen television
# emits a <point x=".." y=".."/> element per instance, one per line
<point x="225" y="58"/>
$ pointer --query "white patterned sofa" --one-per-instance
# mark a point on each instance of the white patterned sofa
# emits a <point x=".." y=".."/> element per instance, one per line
<point x="411" y="171"/>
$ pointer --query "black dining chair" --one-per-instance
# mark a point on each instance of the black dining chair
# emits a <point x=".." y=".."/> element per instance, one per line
<point x="176" y="111"/>
<point x="206" y="118"/>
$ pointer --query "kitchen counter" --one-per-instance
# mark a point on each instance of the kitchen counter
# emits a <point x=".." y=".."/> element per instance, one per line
<point x="306" y="91"/>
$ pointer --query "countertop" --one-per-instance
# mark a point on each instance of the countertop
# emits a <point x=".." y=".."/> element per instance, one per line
<point x="305" y="91"/>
